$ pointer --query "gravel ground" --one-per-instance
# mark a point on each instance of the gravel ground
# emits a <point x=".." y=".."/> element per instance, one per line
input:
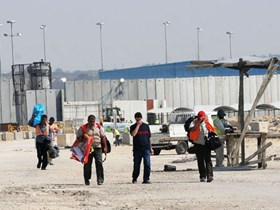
<point x="23" y="186"/>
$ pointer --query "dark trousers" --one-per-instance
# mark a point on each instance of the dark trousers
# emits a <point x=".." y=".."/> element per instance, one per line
<point x="117" y="142"/>
<point x="137" y="158"/>
<point x="97" y="155"/>
<point x="203" y="155"/>
<point x="42" y="155"/>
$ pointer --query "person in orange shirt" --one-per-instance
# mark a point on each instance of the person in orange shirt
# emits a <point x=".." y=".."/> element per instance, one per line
<point x="199" y="129"/>
<point x="52" y="133"/>
<point x="42" y="142"/>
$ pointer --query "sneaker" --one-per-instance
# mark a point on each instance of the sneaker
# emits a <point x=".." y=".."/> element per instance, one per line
<point x="87" y="182"/>
<point x="99" y="183"/>
<point x="210" y="179"/>
<point x="146" y="182"/>
<point x="134" y="181"/>
<point x="202" y="179"/>
<point x="43" y="168"/>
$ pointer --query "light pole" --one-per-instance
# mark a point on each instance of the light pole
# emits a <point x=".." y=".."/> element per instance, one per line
<point x="166" y="23"/>
<point x="43" y="27"/>
<point x="229" y="34"/>
<point x="101" y="50"/>
<point x="12" y="38"/>
<point x="63" y="79"/>
<point x="197" y="35"/>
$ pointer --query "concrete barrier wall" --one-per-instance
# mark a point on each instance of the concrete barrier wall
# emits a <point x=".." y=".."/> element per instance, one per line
<point x="178" y="92"/>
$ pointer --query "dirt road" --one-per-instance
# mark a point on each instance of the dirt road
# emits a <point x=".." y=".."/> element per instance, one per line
<point x="61" y="186"/>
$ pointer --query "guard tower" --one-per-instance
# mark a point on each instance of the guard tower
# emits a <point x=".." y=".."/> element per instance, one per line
<point x="34" y="76"/>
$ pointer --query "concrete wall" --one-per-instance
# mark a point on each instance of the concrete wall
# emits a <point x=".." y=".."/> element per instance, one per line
<point x="178" y="92"/>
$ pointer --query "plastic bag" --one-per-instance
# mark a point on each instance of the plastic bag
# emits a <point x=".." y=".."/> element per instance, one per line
<point x="38" y="111"/>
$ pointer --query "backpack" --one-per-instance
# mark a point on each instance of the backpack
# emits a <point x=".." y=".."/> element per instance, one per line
<point x="188" y="123"/>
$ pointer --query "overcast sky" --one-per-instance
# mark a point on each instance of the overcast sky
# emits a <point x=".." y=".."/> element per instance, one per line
<point x="133" y="31"/>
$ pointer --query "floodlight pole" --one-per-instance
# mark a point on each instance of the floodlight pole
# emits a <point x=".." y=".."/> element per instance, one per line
<point x="166" y="23"/>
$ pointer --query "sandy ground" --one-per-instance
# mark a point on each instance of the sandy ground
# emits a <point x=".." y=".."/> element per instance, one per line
<point x="61" y="186"/>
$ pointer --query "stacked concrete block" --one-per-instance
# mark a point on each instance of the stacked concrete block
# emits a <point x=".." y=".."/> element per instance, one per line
<point x="18" y="136"/>
<point x="67" y="139"/>
<point x="30" y="135"/>
<point x="7" y="136"/>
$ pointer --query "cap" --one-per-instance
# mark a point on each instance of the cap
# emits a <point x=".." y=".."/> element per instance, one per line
<point x="201" y="114"/>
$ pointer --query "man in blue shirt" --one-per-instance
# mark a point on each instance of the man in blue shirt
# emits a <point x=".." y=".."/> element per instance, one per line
<point x="141" y="148"/>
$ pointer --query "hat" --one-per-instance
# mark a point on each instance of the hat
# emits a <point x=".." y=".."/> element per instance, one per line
<point x="137" y="114"/>
<point x="201" y="114"/>
<point x="221" y="113"/>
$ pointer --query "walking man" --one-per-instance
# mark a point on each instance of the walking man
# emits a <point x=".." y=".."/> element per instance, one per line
<point x="142" y="149"/>
<point x="221" y="125"/>
<point x="94" y="130"/>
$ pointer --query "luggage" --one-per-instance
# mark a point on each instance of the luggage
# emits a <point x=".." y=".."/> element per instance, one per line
<point x="213" y="141"/>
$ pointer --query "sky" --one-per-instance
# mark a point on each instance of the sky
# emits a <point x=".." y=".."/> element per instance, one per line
<point x="133" y="32"/>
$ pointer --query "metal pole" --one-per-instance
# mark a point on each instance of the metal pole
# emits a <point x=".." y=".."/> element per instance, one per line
<point x="101" y="48"/>
<point x="229" y="34"/>
<point x="230" y="55"/>
<point x="165" y="39"/>
<point x="165" y="43"/>
<point x="12" y="38"/>
<point x="198" y="50"/>
<point x="43" y="27"/>
<point x="12" y="42"/>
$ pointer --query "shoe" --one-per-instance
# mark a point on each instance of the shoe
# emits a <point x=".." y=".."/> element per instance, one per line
<point x="134" y="181"/>
<point x="39" y="165"/>
<point x="210" y="179"/>
<point x="87" y="182"/>
<point x="99" y="183"/>
<point x="43" y="168"/>
<point x="202" y="179"/>
<point x="146" y="182"/>
<point x="51" y="163"/>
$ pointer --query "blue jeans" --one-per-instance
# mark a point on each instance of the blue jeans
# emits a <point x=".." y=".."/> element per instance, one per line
<point x="137" y="158"/>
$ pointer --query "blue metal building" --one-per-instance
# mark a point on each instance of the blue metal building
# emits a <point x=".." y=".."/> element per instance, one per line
<point x="171" y="70"/>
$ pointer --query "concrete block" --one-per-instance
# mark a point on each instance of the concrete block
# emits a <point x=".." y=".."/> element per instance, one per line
<point x="18" y="136"/>
<point x="7" y="136"/>
<point x="127" y="139"/>
<point x="29" y="135"/>
<point x="66" y="139"/>
<point x="259" y="126"/>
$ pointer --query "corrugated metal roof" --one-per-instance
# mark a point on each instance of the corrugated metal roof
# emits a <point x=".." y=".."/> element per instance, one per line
<point x="171" y="70"/>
